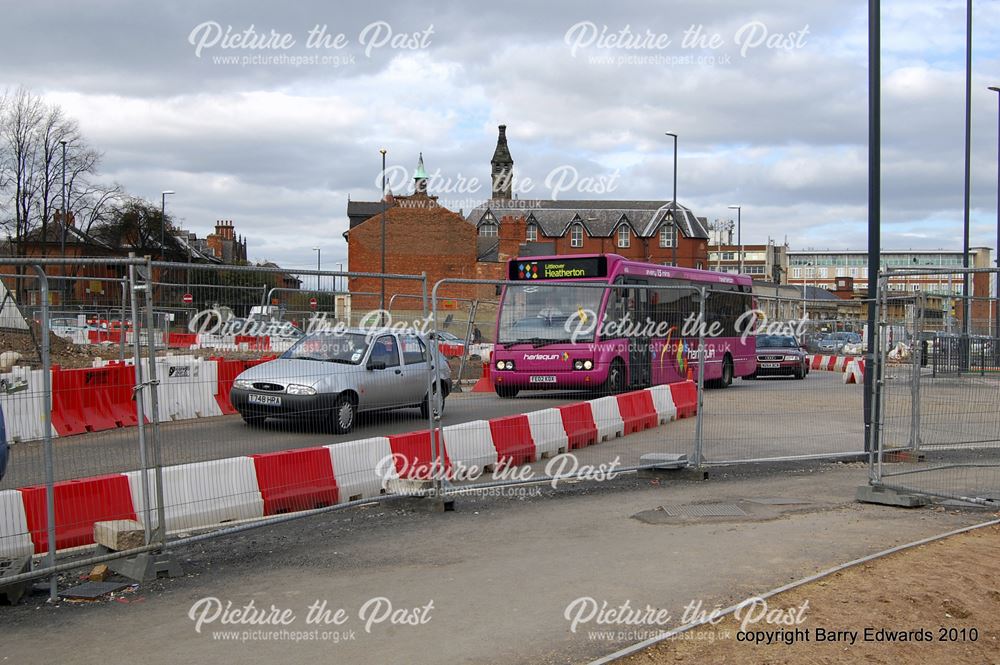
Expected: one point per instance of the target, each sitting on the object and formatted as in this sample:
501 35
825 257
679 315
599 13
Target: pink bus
610 340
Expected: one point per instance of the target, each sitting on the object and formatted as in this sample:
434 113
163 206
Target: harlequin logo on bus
527 270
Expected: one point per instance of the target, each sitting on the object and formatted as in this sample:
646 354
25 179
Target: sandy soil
947 593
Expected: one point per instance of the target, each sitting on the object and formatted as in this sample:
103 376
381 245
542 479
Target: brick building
423 236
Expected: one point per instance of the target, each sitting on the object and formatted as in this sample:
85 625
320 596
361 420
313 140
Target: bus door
639 352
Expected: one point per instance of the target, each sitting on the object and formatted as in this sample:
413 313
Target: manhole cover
91 590
706 510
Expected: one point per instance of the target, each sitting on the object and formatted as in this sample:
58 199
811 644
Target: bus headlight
505 364
583 364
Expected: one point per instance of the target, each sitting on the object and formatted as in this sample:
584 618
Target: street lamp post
673 208
319 253
340 268
381 302
739 232
996 296
163 220
65 221
966 286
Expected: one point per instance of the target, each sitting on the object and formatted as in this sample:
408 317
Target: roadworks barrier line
214 493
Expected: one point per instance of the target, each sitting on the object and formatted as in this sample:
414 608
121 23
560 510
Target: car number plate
542 379
770 365
269 400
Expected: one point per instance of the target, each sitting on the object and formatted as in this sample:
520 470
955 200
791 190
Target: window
666 236
699 266
576 235
754 270
384 350
488 230
531 234
729 256
624 237
797 273
414 351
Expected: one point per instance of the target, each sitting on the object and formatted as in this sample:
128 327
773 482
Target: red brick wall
432 240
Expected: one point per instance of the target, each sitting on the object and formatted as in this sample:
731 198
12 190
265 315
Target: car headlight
792 358
296 389
243 384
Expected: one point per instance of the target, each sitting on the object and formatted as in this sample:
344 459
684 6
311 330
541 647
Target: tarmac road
115 451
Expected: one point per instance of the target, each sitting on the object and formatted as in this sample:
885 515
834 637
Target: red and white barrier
363 467
15 540
855 372
207 494
201 494
830 363
470 444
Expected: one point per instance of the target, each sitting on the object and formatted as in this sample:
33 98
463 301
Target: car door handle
399 371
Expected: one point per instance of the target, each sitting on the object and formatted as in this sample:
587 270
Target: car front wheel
343 414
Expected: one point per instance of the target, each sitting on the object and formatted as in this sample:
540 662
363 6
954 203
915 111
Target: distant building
768 263
422 236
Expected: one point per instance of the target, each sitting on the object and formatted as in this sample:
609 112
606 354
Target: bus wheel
615 383
506 392
727 373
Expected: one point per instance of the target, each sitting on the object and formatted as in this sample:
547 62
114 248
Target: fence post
465 350
698 432
154 416
916 358
434 395
50 490
140 388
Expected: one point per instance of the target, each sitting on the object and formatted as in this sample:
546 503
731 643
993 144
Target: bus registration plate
542 379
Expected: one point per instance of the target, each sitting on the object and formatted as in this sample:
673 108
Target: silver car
330 377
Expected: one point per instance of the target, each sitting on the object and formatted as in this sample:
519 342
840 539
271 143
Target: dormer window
624 237
667 236
488 230
531 233
576 235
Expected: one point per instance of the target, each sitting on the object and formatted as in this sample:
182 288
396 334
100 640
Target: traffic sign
313 302
188 298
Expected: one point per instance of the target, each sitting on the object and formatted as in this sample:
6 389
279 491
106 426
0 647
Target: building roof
599 217
884 251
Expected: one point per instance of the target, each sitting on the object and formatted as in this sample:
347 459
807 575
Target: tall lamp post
673 208
996 296
739 232
163 220
381 302
65 221
319 253
966 286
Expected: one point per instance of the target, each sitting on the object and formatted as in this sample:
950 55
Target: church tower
420 178
502 167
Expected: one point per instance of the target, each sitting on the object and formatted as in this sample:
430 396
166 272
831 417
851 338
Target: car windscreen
348 348
776 342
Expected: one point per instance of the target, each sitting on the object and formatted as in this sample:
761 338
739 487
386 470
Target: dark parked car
780 355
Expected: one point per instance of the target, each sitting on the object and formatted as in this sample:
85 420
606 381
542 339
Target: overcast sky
275 133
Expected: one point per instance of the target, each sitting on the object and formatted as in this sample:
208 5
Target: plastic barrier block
226 373
254 343
184 340
472 445
362 468
15 539
24 410
547 432
607 418
685 396
815 362
637 411
201 494
578 423
414 455
293 480
663 402
513 441
78 504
